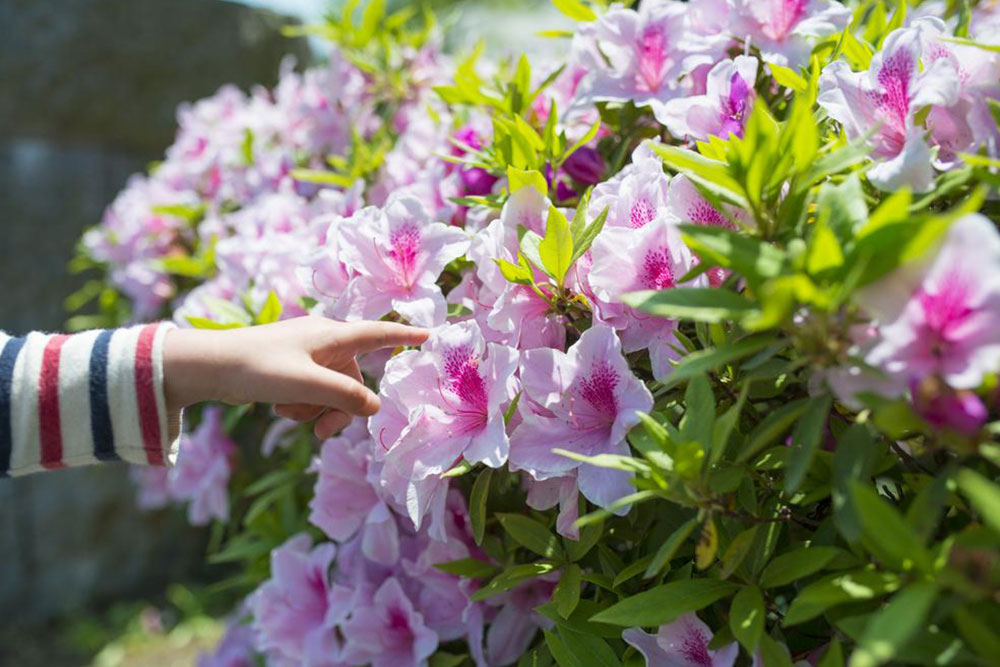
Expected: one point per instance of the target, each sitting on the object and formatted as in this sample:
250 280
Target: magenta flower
941 317
388 631
517 622
683 643
548 493
451 395
722 110
152 486
293 612
945 408
637 56
585 401
201 474
397 254
784 30
235 649
625 260
885 100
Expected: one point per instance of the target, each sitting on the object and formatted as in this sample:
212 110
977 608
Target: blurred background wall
88 90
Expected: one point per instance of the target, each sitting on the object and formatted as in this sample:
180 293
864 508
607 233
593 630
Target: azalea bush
714 299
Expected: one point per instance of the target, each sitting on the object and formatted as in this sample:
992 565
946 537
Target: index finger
364 337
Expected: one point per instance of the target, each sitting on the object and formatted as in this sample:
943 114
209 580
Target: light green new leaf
520 178
575 10
701 304
556 249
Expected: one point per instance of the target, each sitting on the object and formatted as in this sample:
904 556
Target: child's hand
305 366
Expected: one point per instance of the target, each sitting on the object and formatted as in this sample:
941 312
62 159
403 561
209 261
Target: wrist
194 367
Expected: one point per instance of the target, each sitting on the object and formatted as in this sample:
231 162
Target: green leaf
442 659
514 273
824 251
883 526
567 592
737 551
893 626
978 634
833 656
839 589
773 653
205 323
746 617
752 258
700 169
582 141
788 78
708 360
983 495
531 535
854 459
589 536
806 438
271 310
575 10
771 428
583 240
556 249
520 178
511 577
477 504
699 419
702 304
665 603
797 564
470 568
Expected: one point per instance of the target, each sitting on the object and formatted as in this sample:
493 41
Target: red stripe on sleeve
145 393
49 421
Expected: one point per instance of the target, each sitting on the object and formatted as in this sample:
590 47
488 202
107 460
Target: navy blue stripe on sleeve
100 414
8 358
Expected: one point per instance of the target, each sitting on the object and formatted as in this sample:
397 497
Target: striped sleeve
74 400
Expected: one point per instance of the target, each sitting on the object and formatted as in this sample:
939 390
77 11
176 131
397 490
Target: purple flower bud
476 181
585 166
946 408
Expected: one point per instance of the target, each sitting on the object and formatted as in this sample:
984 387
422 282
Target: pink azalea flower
967 124
235 649
152 486
885 99
683 643
784 30
722 110
636 56
634 196
201 474
687 205
941 317
450 395
516 624
585 401
345 500
294 612
626 260
388 631
397 254
562 491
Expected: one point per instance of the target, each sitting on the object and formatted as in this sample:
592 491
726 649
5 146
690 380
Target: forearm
75 400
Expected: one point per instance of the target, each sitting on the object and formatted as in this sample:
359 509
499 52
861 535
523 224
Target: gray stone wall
88 90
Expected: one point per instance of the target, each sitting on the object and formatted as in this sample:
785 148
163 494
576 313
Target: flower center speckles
657 271
787 14
652 49
695 648
704 214
404 243
461 366
641 213
599 389
894 78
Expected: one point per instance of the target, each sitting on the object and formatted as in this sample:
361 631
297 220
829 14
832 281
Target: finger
331 423
364 337
299 412
324 387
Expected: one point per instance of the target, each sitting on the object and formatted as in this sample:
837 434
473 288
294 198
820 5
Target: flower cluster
693 285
